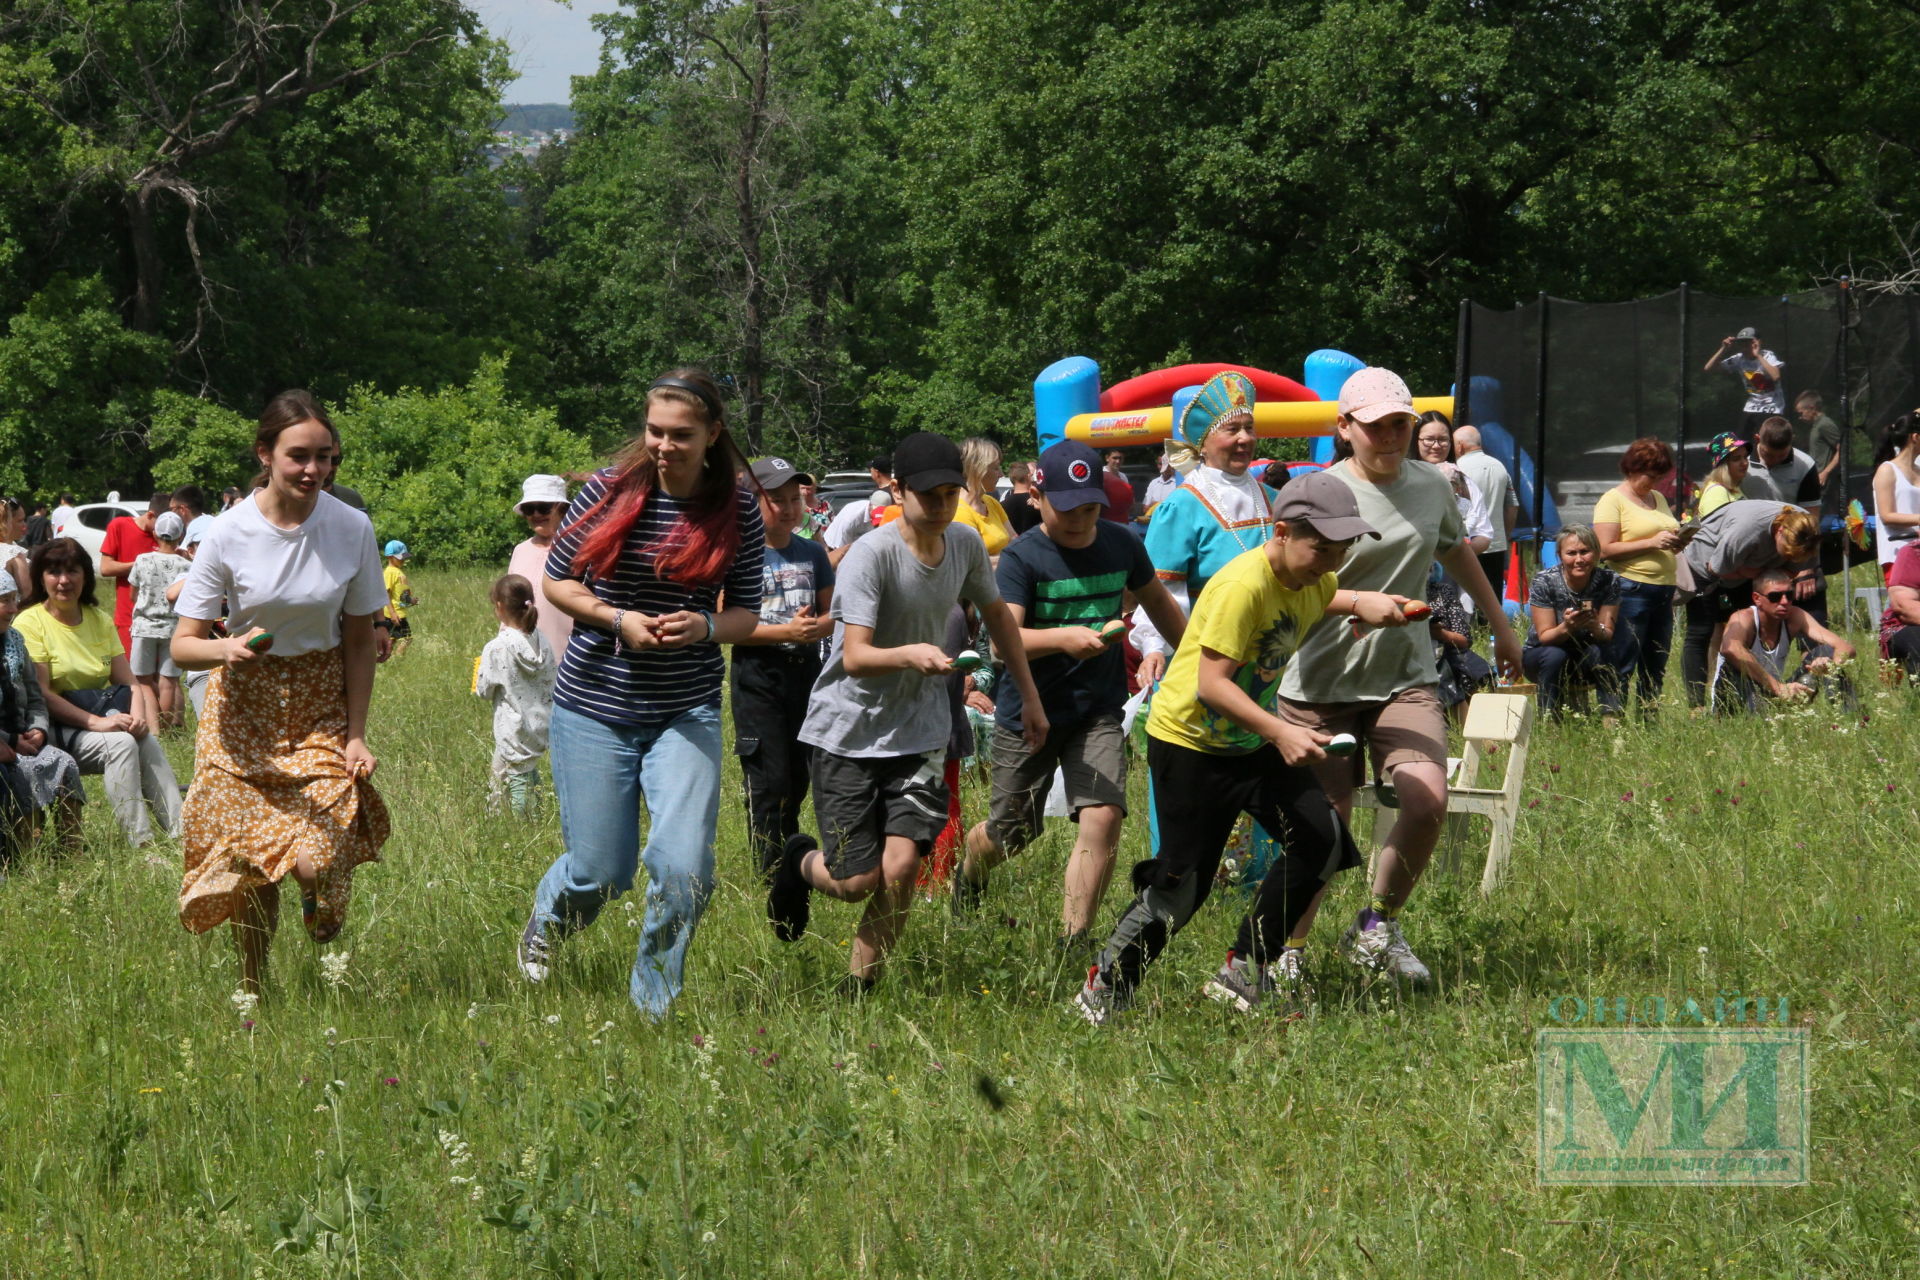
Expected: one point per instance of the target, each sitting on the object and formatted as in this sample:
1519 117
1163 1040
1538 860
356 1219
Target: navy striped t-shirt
653 686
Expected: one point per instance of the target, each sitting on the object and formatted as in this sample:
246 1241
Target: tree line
870 217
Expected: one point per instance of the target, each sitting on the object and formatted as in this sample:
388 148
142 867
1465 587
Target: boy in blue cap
1064 582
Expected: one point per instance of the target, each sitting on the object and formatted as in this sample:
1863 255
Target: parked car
89 524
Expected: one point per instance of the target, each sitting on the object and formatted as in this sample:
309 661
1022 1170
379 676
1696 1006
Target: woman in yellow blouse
1640 539
979 509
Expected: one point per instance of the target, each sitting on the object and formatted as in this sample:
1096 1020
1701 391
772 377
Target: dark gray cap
1325 502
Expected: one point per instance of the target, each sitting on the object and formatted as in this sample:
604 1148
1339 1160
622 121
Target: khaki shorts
1409 727
1092 755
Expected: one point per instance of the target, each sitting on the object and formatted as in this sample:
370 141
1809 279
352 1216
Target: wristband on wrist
619 641
708 616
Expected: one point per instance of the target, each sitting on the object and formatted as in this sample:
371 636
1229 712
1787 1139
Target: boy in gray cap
1217 748
156 678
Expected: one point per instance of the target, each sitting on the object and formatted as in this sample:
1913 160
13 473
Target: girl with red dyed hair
650 545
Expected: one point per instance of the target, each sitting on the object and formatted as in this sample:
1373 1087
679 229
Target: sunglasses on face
541 508
1774 596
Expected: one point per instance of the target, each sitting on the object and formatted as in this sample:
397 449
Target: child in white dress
516 673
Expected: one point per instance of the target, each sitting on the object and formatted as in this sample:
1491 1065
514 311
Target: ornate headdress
1223 396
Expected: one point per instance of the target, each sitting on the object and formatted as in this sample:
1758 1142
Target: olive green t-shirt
1417 520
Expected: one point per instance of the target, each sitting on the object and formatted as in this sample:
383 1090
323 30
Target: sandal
310 916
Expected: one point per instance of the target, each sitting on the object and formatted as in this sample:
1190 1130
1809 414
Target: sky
551 43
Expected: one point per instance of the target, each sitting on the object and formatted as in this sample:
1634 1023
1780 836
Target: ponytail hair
513 595
702 542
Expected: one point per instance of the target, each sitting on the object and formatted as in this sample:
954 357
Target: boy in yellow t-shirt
1216 749
400 597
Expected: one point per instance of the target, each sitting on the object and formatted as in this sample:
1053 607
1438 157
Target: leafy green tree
441 470
726 203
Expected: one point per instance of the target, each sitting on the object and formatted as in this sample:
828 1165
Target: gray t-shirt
1417 519
1496 486
883 585
1738 536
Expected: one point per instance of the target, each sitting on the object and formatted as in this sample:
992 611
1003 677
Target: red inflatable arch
1151 390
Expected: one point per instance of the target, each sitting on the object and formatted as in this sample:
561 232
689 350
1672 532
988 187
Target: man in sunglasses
543 505
1753 651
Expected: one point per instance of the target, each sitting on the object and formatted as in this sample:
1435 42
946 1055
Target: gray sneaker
1099 1000
1382 948
1240 983
536 951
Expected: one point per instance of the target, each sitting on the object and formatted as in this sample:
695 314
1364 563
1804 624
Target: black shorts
861 801
401 629
1198 796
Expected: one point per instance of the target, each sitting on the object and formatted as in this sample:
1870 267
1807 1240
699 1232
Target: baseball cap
1372 393
542 488
771 473
1724 446
1747 334
1325 502
1069 474
168 528
926 461
396 548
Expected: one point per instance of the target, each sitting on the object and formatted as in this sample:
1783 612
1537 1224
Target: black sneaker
853 988
536 951
790 897
966 894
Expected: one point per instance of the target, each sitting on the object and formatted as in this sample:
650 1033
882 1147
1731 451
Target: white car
88 527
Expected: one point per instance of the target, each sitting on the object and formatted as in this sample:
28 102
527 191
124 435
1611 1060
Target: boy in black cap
1064 582
1217 749
773 669
879 717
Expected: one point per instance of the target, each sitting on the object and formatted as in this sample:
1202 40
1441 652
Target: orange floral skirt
270 782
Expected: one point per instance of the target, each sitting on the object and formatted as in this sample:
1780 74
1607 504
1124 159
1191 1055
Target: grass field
415 1110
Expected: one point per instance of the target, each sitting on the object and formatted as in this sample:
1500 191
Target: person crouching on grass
1062 583
1217 749
880 714
1754 648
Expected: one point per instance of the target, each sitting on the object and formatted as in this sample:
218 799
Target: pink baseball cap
1371 394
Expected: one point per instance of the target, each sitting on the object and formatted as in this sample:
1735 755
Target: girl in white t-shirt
281 779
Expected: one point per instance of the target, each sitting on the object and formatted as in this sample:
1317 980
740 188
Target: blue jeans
1643 637
601 775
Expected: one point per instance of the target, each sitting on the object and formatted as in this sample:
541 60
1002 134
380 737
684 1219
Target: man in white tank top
1753 651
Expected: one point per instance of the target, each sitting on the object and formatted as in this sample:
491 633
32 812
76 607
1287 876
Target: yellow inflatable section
1271 418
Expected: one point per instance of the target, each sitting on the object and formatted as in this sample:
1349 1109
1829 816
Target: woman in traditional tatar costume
1216 513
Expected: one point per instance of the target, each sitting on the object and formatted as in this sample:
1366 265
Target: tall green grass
423 1113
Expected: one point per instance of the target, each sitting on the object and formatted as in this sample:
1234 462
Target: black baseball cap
926 461
1069 475
883 464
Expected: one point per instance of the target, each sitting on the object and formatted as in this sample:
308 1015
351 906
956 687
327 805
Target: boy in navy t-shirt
1064 582
774 668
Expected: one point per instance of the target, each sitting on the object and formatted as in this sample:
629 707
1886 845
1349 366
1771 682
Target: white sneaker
535 954
1382 948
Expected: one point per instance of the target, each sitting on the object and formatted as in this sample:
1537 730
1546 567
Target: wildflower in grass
390 1081
552 1019
473 1011
244 1003
333 968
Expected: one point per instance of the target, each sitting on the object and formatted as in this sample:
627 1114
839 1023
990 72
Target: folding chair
1494 721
